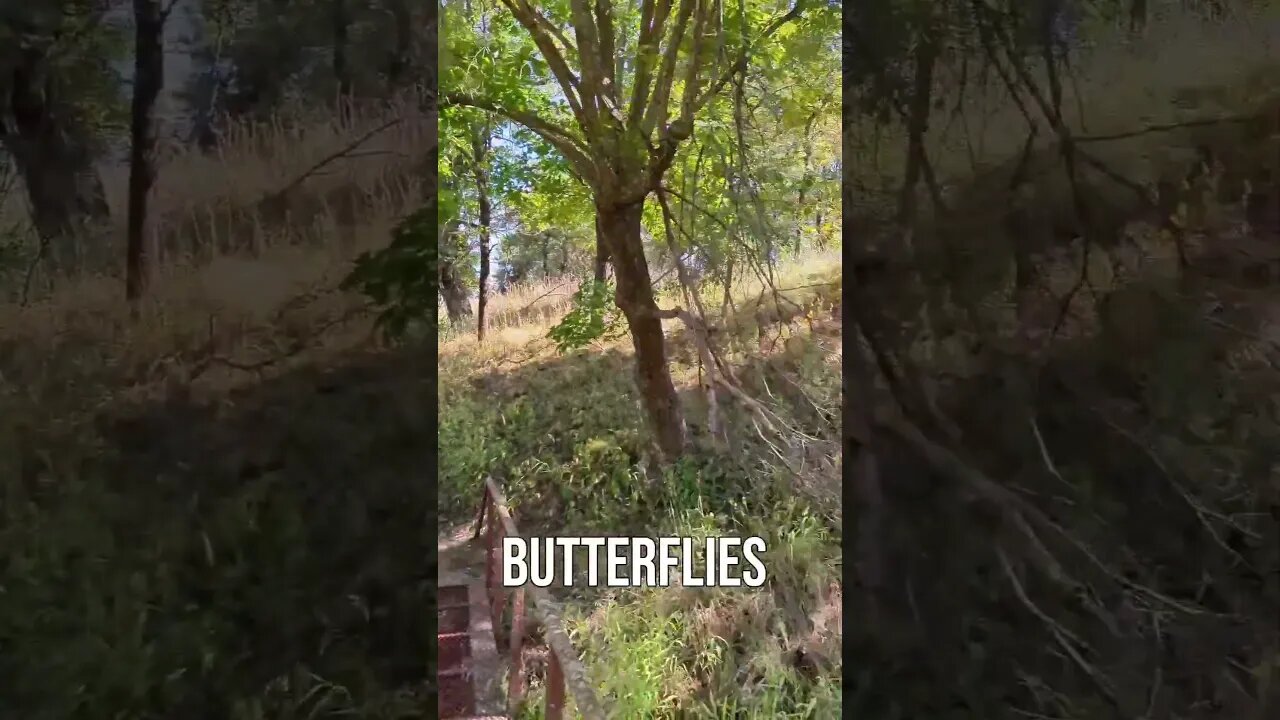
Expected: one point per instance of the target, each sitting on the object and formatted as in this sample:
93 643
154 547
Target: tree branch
653 21
589 58
741 62
656 111
542 31
574 150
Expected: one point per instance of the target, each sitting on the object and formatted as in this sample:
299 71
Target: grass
564 436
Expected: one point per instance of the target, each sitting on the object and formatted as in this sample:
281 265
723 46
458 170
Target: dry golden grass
375 152
1114 85
518 320
224 316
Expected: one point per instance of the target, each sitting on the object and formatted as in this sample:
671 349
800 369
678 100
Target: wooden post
495 587
484 503
490 555
555 687
516 684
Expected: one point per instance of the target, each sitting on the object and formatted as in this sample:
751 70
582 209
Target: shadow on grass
266 555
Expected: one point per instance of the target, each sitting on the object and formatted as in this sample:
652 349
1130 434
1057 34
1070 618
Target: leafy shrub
401 278
594 317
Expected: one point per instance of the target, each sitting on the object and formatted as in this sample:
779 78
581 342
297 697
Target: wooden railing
564 668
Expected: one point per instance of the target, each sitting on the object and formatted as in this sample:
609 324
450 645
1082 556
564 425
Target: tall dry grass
222 316
1114 84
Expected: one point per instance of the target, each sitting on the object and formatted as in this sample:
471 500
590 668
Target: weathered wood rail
565 671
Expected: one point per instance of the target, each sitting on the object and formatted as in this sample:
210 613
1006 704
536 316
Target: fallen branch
344 152
296 348
1170 127
1070 644
1018 510
535 300
1202 513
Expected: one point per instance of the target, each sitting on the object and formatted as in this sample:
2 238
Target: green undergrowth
564 436
260 556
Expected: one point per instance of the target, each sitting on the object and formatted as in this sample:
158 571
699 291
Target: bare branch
339 154
1070 644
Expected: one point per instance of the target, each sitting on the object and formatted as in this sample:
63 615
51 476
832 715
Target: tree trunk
859 415
453 292
728 287
341 26
449 276
1137 16
54 160
480 156
399 62
148 79
795 251
805 181
917 127
619 226
602 253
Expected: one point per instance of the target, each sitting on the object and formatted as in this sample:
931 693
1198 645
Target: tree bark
54 159
602 254
148 80
619 226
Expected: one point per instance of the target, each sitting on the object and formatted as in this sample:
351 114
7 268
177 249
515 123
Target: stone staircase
469 668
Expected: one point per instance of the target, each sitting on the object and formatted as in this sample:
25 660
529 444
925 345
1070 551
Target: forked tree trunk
619 227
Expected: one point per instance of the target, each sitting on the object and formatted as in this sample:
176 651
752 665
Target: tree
620 122
51 102
148 79
481 144
341 33
453 287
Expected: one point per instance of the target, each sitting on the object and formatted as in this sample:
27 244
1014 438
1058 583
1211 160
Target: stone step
457 697
468 666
